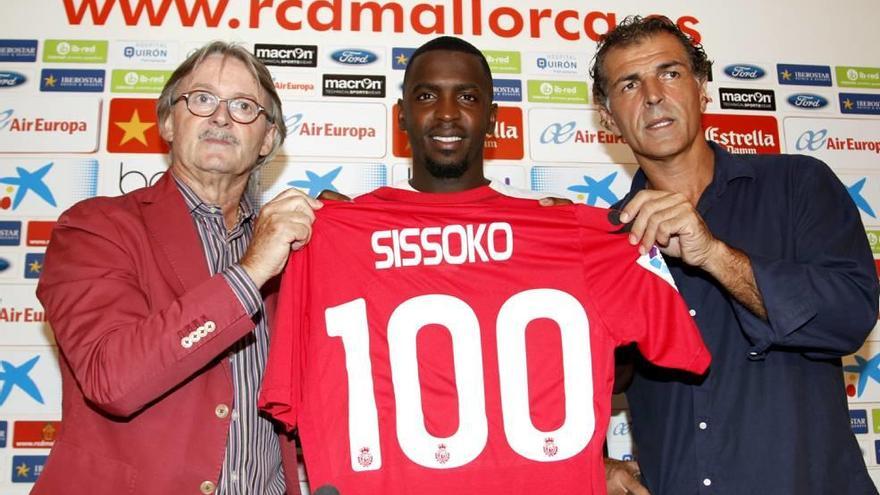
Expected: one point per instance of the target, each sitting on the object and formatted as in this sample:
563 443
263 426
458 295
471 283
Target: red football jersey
464 343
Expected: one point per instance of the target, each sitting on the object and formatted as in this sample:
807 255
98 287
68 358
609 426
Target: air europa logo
298 126
563 132
816 140
744 71
13 124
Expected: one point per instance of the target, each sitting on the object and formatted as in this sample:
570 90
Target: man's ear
704 94
268 140
493 118
607 120
166 127
401 120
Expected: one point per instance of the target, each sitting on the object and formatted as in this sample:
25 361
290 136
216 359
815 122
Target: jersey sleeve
281 389
635 297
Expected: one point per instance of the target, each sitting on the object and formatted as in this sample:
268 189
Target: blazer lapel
175 238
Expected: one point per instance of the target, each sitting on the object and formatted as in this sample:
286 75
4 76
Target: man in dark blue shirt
771 256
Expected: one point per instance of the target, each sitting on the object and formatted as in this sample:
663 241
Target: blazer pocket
77 471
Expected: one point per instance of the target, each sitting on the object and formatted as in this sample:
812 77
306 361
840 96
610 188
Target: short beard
449 171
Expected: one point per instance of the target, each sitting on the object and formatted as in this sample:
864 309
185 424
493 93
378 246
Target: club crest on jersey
653 262
365 458
442 455
550 448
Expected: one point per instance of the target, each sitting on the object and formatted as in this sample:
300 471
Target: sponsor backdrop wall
79 78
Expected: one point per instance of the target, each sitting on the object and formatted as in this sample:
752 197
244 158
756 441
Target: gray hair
256 68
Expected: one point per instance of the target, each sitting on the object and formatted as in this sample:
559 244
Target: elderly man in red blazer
159 301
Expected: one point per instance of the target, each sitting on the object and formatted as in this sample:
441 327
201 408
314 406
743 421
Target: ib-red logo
743 134
506 142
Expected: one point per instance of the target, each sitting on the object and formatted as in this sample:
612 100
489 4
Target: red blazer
125 280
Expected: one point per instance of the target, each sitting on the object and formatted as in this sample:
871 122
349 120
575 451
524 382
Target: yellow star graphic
785 74
22 470
134 129
50 81
848 104
401 59
35 266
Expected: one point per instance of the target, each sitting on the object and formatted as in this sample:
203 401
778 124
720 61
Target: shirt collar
728 168
198 207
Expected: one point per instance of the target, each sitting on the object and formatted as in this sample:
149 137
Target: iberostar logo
865 370
14 376
134 127
315 183
26 181
593 190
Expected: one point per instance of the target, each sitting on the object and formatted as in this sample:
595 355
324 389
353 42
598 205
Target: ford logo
806 100
9 79
354 57
744 71
4 264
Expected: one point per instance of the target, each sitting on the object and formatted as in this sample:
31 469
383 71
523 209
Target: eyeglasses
204 104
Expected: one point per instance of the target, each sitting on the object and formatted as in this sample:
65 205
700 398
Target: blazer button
222 410
207 487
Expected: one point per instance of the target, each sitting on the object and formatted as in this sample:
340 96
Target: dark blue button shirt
771 414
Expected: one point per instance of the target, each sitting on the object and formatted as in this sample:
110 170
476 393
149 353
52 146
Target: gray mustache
219 135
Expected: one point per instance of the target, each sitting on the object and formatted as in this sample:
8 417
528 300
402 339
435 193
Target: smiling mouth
447 139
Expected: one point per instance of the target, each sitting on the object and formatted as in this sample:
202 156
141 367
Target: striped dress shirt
252 464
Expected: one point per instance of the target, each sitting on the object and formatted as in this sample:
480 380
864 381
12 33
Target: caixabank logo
593 185
862 374
312 178
742 134
37 125
44 188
